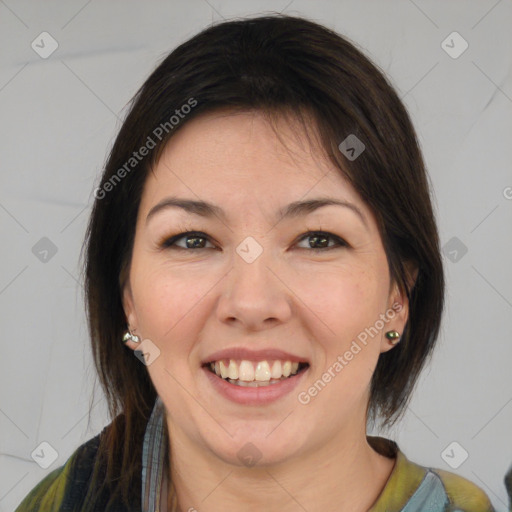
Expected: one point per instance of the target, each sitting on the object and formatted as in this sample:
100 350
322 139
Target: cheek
165 299
345 303
346 299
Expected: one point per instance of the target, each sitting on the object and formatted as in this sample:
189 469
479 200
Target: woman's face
257 289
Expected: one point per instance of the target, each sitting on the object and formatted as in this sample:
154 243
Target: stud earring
393 337
129 336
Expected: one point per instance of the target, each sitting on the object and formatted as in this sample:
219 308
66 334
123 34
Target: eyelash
169 242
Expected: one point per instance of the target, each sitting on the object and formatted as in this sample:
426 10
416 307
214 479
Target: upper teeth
253 370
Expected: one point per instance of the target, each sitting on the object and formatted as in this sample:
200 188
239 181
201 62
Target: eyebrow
295 209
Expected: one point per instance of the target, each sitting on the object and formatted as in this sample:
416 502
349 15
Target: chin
256 449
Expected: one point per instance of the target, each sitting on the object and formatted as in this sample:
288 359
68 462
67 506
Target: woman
263 241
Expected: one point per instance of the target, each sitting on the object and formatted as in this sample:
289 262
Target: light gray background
59 117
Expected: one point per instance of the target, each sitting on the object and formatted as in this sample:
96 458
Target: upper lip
243 353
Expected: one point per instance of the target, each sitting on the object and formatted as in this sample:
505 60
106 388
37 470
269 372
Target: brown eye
193 240
320 241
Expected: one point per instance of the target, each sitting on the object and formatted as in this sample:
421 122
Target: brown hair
274 64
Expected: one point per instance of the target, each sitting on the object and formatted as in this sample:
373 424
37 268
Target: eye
193 240
321 240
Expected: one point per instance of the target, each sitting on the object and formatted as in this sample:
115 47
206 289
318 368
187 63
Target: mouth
255 374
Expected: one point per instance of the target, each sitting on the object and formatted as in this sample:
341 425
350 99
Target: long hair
279 65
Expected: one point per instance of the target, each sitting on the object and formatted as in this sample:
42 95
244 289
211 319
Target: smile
253 377
255 373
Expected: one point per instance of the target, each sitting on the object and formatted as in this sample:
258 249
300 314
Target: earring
393 337
129 336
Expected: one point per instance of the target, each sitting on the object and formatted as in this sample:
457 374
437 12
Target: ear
129 311
398 307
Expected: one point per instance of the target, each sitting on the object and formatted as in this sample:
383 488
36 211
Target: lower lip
254 396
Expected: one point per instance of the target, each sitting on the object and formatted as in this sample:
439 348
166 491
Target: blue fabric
430 495
153 460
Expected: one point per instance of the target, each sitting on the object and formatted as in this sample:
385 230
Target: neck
347 472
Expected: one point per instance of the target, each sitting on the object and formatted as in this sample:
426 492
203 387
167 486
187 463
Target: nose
254 295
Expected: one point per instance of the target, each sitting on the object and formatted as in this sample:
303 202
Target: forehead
240 159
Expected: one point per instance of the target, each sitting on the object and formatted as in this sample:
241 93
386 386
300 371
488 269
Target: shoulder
446 490
462 493
414 487
65 485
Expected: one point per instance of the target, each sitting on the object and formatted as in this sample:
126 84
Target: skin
193 302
